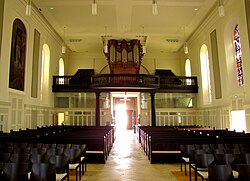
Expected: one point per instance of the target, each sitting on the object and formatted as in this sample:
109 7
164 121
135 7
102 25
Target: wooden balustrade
139 82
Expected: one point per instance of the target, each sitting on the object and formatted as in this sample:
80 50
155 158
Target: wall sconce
94 8
28 8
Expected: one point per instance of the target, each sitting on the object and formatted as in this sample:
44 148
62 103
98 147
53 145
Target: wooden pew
99 140
162 144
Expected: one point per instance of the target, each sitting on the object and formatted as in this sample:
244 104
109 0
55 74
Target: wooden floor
127 162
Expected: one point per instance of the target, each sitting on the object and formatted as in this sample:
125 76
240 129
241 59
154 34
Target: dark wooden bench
99 140
163 144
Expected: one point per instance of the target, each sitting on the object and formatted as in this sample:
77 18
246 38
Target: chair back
19 158
49 145
63 146
73 154
15 171
246 157
23 150
38 150
39 158
244 172
220 172
43 172
55 151
60 162
35 145
222 159
204 160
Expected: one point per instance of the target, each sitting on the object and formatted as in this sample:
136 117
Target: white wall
98 62
17 114
31 108
233 96
234 12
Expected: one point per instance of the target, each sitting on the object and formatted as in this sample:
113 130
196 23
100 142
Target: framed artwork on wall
18 56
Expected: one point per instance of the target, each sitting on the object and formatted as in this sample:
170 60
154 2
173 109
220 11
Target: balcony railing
70 84
179 84
125 81
141 81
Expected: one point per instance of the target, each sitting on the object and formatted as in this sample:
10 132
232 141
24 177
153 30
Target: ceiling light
63 49
105 42
221 8
185 48
64 46
144 50
28 8
105 47
185 43
94 8
196 9
154 7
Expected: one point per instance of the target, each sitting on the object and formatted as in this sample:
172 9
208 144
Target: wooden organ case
124 57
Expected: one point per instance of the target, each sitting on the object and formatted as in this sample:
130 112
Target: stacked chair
41 162
217 162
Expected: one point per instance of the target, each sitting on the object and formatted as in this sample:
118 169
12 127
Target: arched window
205 74
238 55
188 81
61 70
188 70
45 72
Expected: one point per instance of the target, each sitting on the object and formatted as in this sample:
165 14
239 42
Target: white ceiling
125 19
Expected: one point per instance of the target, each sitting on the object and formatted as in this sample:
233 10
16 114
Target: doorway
125 110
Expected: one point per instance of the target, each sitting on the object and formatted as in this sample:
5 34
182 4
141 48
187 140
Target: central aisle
127 162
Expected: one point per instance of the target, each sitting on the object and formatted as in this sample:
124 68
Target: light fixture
221 8
144 50
28 8
185 48
143 41
63 49
105 46
94 8
64 46
105 41
154 7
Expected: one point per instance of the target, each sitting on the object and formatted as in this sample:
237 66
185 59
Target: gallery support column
153 116
97 109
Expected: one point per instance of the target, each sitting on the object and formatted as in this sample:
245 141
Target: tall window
61 71
205 74
45 72
188 81
238 55
188 70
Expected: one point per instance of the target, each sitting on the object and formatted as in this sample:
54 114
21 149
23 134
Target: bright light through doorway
121 117
60 118
238 120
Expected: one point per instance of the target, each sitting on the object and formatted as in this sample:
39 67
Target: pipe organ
124 56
